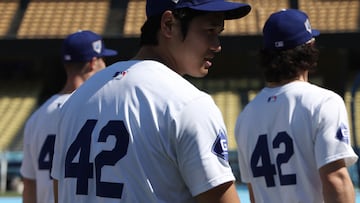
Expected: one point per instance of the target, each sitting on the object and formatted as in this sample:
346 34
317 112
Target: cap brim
315 33
232 10
109 52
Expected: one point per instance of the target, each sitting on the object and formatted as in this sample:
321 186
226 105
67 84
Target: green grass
10 194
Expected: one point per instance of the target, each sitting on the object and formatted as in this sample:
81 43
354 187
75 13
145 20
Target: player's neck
147 52
159 54
71 85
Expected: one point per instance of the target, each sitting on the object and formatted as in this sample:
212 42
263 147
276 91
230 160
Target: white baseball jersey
285 134
138 132
39 140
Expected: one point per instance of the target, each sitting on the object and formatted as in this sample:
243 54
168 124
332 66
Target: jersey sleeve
332 141
27 169
202 146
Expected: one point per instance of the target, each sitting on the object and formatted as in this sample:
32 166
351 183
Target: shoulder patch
220 146
342 134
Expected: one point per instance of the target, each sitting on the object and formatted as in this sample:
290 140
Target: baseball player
83 54
138 131
293 137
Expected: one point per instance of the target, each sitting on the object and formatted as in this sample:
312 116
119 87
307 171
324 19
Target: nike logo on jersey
342 134
220 146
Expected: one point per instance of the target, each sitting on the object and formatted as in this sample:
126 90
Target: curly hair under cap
285 65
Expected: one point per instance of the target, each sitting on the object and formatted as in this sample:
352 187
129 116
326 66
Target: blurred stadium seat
135 17
56 19
332 15
252 24
17 101
8 9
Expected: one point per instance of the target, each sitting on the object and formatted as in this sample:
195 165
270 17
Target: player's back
123 121
280 136
39 139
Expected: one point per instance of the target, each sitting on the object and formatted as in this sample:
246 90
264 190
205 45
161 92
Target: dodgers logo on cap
82 46
97 46
308 26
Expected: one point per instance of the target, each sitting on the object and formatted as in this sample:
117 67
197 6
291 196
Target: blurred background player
293 137
154 136
83 54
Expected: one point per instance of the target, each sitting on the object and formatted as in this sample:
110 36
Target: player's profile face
196 51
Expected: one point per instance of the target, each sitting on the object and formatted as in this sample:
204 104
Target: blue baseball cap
287 29
82 46
232 10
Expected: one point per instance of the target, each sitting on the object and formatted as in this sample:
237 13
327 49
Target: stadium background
31 33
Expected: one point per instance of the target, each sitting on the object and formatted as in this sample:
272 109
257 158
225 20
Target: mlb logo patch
119 74
272 99
220 146
343 134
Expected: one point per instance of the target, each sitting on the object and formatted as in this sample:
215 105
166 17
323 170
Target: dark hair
152 25
287 64
149 31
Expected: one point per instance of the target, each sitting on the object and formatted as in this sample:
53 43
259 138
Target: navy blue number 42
268 169
46 154
83 169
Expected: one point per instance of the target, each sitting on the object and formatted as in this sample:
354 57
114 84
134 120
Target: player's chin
205 68
202 72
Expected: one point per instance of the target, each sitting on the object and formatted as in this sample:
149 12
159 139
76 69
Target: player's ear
91 64
167 23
